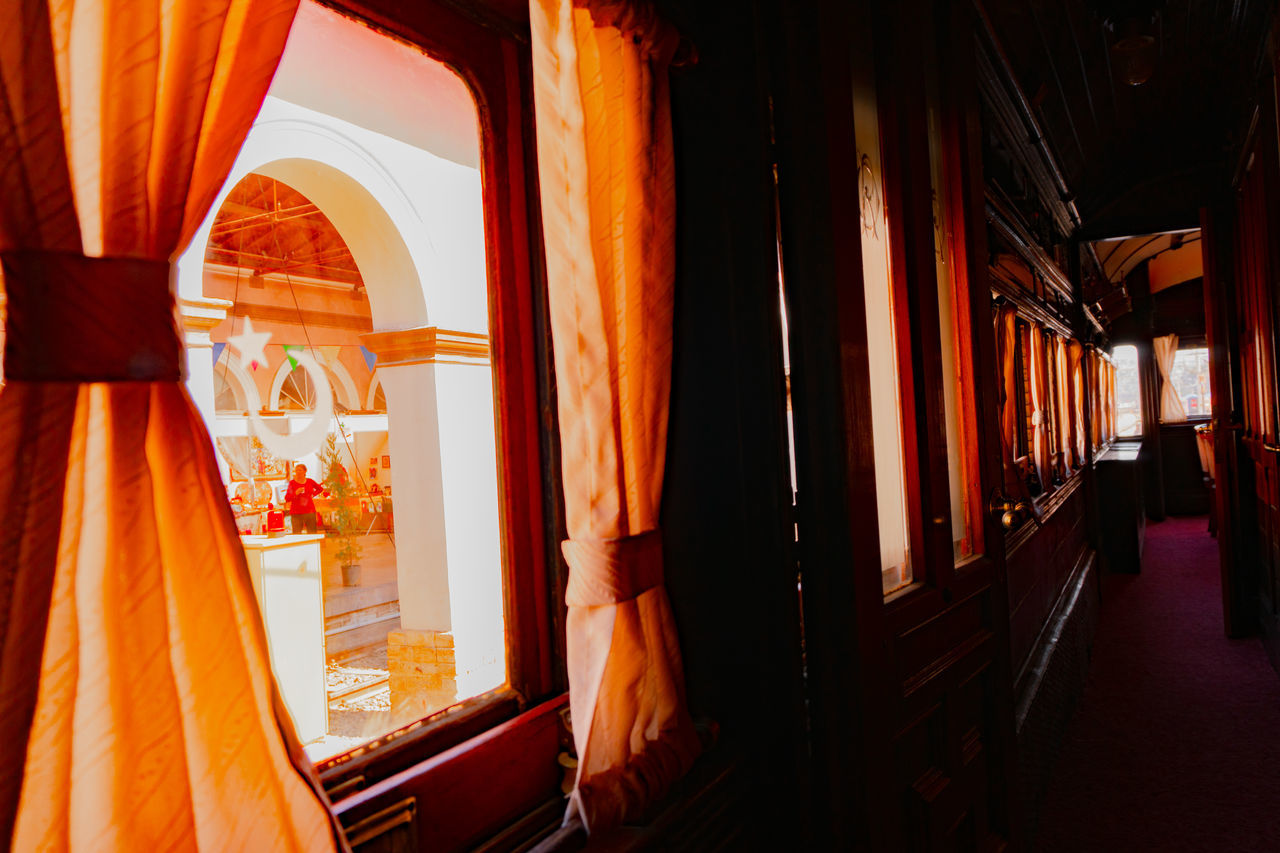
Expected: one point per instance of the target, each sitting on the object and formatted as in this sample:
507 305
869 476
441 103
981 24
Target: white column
464 397
417 493
199 317
444 479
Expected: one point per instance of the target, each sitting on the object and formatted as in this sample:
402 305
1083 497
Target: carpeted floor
1176 745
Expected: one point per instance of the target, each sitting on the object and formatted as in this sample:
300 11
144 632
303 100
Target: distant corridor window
1190 377
1128 392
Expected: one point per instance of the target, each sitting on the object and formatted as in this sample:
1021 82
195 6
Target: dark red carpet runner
1176 745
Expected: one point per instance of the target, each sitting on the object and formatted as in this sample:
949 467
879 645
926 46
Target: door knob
1010 513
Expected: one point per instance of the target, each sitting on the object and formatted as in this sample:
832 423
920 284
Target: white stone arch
344 389
366 205
237 378
345 386
375 382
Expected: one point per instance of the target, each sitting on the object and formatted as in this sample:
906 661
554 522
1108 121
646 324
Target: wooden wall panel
1256 255
1039 566
1184 490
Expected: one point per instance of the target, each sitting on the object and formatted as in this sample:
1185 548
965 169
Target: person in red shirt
298 500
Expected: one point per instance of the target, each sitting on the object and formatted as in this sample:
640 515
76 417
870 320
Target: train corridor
1176 743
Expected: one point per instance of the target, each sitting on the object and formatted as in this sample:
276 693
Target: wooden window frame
514 732
902 100
1196 343
1115 393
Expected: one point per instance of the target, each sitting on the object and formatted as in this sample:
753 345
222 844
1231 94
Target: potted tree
345 520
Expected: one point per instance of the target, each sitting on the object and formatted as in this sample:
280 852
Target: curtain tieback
78 319
610 571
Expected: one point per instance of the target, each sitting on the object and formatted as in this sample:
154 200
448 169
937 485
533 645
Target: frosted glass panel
882 355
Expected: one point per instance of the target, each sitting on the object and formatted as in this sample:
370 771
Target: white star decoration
250 345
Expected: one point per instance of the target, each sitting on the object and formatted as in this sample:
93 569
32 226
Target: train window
1128 395
882 355
966 520
346 374
1190 379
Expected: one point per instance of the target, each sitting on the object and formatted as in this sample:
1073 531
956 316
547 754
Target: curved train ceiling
1141 158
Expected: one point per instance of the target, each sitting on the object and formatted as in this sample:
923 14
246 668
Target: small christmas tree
345 521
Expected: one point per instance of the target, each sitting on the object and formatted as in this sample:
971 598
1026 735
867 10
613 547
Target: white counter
286 578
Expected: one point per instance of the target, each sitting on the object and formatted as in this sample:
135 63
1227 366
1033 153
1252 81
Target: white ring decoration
298 444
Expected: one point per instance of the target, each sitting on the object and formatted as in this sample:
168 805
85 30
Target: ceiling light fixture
1133 45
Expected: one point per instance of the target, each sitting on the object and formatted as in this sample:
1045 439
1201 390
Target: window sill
471 791
348 773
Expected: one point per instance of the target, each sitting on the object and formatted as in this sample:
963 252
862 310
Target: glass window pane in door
882 353
1128 392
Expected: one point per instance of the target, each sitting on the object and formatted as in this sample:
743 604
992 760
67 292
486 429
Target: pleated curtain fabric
1075 358
1061 385
1095 397
137 706
606 171
1104 385
1006 351
1040 407
1111 400
1171 408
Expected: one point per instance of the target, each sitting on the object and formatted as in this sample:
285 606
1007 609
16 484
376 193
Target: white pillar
199 317
464 396
417 493
444 480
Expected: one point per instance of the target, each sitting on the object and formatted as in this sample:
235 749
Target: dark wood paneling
1185 492
1039 567
727 522
818 184
1053 682
1235 517
1179 310
1120 504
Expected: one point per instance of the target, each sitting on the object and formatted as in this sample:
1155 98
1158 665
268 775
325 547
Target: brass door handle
1009 512
1271 448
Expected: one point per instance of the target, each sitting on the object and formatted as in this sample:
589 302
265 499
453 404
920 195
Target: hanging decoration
251 346
329 355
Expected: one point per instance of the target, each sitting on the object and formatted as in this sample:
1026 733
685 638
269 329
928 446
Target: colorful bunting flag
329 354
289 350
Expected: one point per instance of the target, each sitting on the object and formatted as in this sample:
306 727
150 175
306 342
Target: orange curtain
1075 356
1111 400
1040 450
1095 398
606 168
137 706
1102 400
1061 383
1006 350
